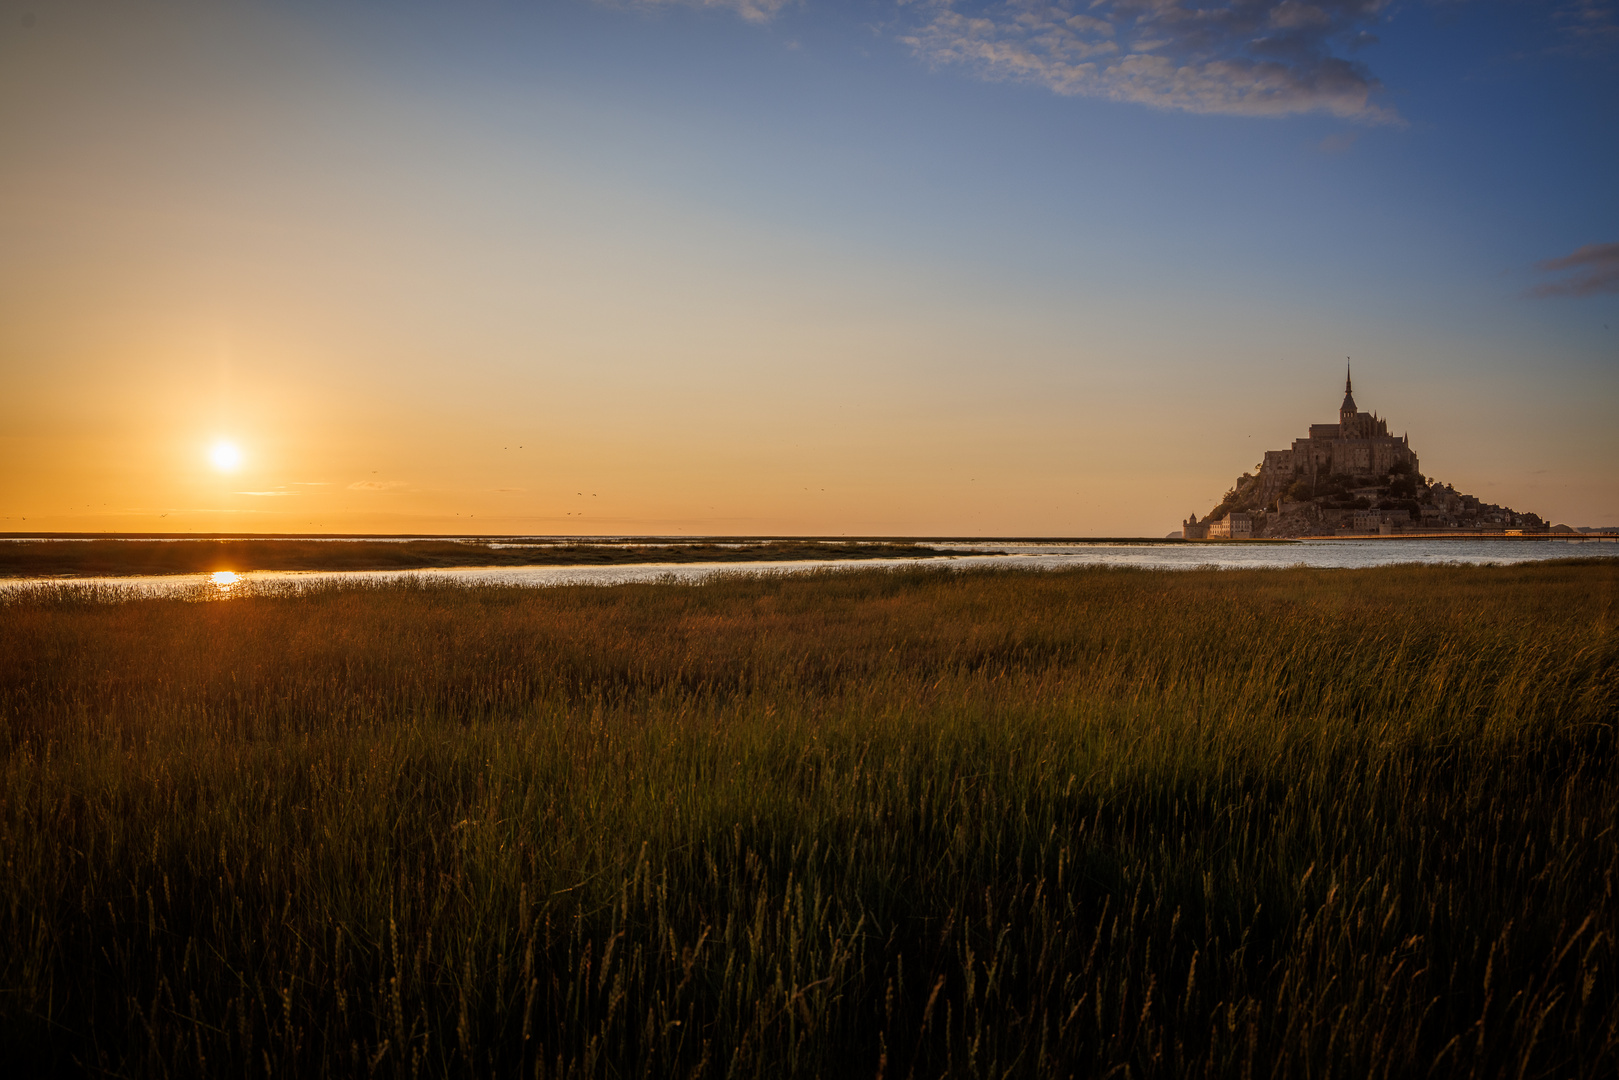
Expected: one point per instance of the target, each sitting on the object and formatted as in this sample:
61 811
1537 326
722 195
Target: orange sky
442 306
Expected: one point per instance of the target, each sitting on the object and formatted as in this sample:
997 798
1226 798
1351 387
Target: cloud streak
1592 25
752 10
1240 57
1595 270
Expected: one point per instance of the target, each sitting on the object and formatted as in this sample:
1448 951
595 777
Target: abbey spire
1347 411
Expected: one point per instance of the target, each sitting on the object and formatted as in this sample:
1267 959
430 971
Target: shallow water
1326 554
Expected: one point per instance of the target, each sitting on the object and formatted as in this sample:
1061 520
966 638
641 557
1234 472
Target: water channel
1325 554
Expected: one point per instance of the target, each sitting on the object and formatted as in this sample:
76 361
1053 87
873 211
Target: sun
225 456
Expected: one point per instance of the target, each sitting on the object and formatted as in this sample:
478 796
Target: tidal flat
38 557
913 823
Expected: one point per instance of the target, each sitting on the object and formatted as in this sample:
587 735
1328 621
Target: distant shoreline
71 556
602 538
653 540
146 555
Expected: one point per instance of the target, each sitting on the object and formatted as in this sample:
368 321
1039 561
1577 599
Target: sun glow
225 456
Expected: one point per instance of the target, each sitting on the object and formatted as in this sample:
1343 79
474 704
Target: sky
809 267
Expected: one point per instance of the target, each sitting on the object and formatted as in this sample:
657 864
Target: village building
1234 526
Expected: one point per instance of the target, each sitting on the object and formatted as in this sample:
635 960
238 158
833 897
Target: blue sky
867 267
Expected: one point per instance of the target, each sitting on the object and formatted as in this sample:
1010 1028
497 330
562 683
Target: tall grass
881 824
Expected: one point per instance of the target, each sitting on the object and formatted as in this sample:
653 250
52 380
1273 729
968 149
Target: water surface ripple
1324 554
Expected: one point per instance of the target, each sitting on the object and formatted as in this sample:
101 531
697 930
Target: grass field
1284 823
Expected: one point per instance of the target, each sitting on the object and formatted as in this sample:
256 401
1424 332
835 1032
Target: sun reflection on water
224 579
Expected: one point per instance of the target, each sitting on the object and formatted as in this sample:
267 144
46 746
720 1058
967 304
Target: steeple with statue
1347 411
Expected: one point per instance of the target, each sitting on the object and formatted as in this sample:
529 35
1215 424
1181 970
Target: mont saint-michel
1351 477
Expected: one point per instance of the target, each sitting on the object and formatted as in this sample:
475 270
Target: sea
1326 554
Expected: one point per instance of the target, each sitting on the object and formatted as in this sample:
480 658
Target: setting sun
225 456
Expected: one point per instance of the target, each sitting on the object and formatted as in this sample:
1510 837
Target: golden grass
1097 822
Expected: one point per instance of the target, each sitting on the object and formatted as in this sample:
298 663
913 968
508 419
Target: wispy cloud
376 485
1592 25
1338 143
751 10
269 493
1239 57
1595 270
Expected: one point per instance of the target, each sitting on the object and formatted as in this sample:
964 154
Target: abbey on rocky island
1346 478
1358 445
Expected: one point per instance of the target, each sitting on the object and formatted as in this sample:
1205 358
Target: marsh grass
40 558
1285 823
